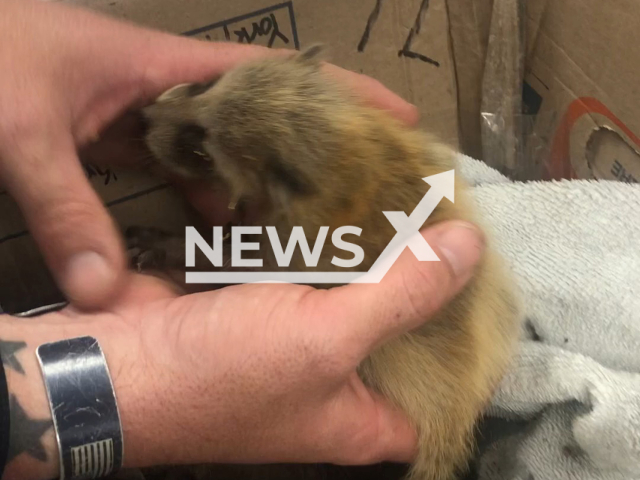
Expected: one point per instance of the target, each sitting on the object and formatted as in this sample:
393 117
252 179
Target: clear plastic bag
502 120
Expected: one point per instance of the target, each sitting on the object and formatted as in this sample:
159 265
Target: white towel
570 406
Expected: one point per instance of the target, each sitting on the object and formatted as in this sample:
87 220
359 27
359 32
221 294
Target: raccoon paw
146 248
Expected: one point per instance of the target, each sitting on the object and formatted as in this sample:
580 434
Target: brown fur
282 134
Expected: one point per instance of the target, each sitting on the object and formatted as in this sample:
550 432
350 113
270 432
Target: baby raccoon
279 134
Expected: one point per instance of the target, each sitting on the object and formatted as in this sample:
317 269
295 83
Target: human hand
59 90
246 374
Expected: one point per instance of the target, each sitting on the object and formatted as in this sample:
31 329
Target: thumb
76 235
411 292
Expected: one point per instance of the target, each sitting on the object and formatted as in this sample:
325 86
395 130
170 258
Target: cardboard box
405 44
581 89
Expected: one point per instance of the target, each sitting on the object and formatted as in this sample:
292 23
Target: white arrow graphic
408 228
407 235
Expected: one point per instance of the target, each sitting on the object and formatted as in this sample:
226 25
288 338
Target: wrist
33 451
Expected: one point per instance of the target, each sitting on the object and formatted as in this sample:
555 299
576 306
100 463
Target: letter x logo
408 227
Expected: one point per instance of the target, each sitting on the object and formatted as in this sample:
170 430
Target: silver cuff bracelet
84 408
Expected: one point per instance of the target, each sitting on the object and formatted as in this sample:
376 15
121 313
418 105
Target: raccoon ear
186 90
174 92
313 54
195 89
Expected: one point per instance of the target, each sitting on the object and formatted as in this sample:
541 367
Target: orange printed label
559 164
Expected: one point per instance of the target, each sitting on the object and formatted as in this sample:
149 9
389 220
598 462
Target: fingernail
88 275
462 245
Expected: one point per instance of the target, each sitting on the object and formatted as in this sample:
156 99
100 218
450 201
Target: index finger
184 60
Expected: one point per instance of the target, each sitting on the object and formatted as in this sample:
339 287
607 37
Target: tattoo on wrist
8 352
25 433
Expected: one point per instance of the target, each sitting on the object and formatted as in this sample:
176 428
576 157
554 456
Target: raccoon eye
189 141
195 89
